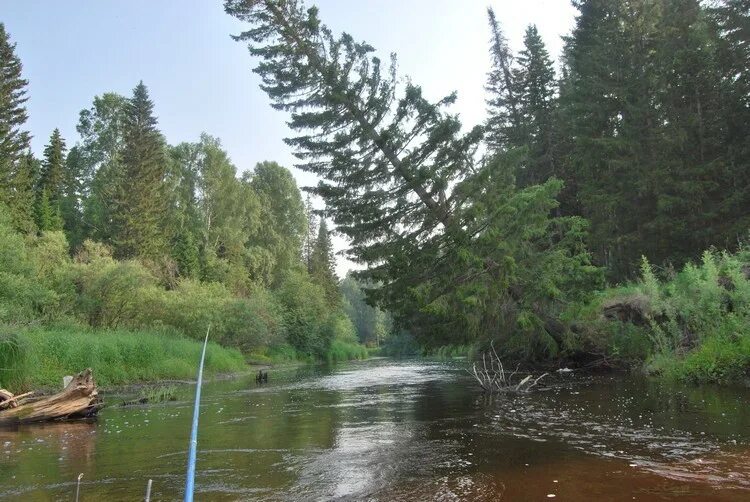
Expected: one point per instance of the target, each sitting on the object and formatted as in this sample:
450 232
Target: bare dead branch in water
494 379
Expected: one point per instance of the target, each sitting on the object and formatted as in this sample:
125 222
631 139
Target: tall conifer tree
504 116
14 141
140 202
534 78
323 263
51 186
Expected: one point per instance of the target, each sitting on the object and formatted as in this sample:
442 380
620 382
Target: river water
399 430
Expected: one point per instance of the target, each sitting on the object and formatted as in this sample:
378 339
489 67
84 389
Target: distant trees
372 324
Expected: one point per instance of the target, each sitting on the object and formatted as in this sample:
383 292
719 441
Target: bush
692 325
244 323
24 295
306 314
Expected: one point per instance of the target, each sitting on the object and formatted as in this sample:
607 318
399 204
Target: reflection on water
389 430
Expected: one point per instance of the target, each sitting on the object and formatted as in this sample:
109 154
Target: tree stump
78 400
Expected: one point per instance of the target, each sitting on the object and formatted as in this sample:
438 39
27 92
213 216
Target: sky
201 80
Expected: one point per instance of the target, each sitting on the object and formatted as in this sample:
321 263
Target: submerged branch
494 379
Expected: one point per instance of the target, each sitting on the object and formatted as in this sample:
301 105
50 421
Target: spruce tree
22 202
140 203
72 197
51 186
323 264
458 253
504 123
14 141
534 77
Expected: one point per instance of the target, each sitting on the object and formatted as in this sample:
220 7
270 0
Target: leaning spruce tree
459 253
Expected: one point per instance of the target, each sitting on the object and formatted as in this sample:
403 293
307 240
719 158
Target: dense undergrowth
692 325
122 318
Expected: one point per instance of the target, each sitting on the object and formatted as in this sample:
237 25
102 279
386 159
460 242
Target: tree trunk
78 400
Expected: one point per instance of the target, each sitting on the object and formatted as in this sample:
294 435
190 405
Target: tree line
637 145
143 233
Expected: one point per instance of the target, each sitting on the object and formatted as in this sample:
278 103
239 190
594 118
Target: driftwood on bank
495 379
79 399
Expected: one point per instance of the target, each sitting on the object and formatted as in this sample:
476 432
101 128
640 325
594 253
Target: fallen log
79 399
8 400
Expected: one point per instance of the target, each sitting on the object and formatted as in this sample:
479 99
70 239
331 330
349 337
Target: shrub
24 297
305 313
692 325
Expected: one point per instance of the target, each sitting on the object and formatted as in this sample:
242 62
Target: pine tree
13 140
50 189
323 264
140 203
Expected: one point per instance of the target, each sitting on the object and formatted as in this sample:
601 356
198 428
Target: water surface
399 430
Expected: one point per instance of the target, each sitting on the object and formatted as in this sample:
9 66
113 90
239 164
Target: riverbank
38 357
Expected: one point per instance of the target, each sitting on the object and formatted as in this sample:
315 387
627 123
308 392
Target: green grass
40 357
344 351
278 354
451 351
158 394
720 360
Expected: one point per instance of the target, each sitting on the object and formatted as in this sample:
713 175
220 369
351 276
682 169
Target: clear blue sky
201 80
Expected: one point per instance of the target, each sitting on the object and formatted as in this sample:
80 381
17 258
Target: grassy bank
692 325
39 357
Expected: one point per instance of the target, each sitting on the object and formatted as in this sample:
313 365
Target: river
399 430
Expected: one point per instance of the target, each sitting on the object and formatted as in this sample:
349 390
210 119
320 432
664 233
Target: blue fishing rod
190 479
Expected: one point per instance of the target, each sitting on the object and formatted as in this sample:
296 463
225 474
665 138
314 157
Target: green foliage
401 343
345 351
693 325
13 140
139 196
305 313
372 325
281 204
323 264
457 252
158 394
26 288
117 357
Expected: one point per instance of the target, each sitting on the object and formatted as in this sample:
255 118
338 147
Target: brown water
399 430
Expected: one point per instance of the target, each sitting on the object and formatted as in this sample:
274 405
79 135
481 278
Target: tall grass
341 350
34 357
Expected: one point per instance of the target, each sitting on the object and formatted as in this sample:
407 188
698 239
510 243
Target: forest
113 250
597 218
